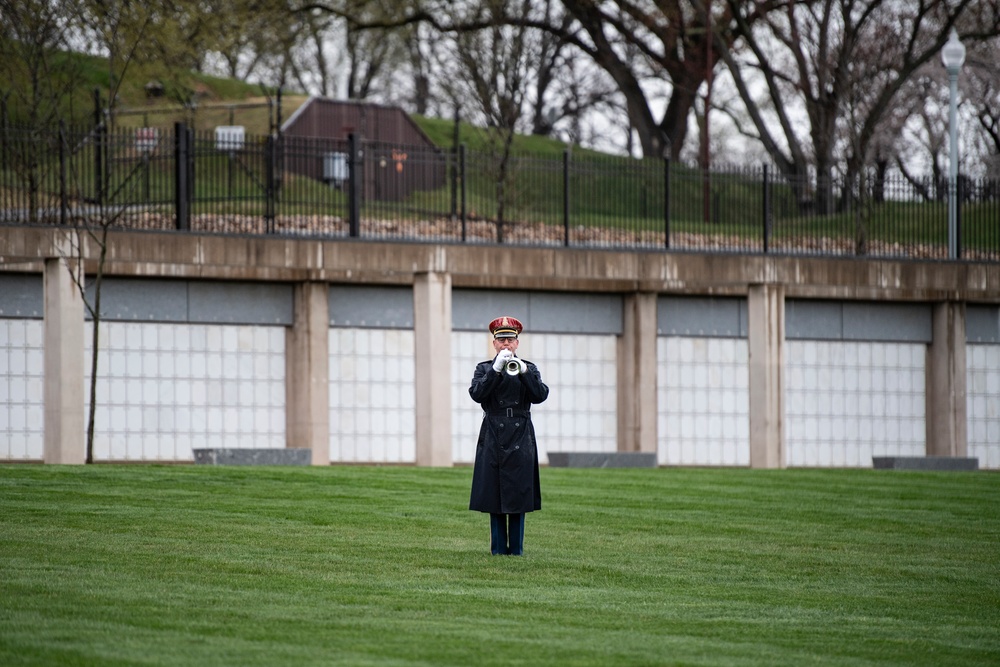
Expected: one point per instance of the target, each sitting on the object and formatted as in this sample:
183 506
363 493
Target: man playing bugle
505 478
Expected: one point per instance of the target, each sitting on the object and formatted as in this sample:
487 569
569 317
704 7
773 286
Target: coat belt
509 412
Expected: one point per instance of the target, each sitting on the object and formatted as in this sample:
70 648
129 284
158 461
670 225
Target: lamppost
953 55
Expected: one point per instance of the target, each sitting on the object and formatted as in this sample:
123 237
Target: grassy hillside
442 133
221 101
83 74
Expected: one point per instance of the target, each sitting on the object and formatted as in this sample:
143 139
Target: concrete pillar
766 332
947 429
65 427
307 373
432 342
637 407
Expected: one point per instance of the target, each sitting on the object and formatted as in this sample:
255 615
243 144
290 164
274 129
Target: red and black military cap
506 327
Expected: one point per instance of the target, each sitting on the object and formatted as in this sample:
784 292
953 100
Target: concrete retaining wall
563 293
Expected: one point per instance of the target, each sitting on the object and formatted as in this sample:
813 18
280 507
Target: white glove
501 360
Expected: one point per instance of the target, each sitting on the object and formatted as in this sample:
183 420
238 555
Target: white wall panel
846 402
166 389
983 395
468 348
580 414
372 399
703 401
22 405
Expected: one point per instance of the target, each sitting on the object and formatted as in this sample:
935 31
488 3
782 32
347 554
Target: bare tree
245 32
123 29
672 45
419 64
638 45
981 81
39 86
93 219
319 28
490 72
829 57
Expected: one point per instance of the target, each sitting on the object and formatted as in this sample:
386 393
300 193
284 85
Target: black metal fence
231 184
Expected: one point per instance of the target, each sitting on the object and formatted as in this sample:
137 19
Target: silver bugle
515 366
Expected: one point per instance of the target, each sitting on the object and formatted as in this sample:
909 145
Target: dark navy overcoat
505 477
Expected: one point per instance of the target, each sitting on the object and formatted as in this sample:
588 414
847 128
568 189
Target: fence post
98 147
269 165
4 125
277 125
279 157
181 200
62 173
666 200
189 137
958 218
455 148
462 170
354 176
145 173
566 197
767 211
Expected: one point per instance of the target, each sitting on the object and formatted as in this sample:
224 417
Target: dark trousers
507 534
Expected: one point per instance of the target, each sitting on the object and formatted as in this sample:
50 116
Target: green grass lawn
192 565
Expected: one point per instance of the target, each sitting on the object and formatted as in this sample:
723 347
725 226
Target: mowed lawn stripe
358 565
